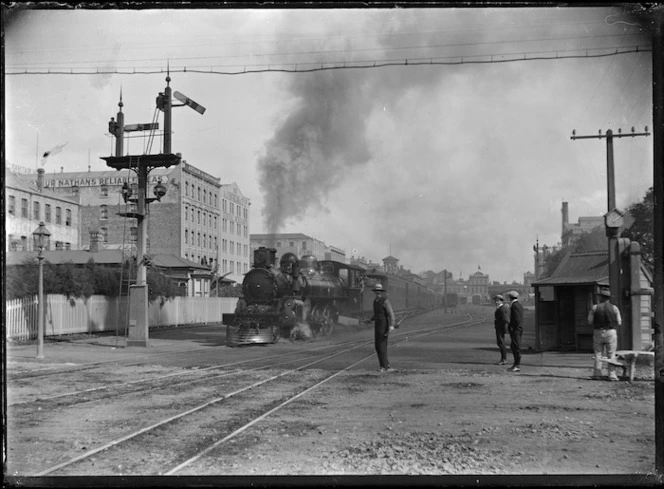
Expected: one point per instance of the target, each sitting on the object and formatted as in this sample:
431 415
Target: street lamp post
41 241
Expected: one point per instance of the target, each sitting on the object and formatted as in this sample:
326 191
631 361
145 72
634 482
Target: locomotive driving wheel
327 321
276 334
316 316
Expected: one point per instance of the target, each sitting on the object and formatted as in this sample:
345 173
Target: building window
58 215
304 245
68 217
74 189
12 205
198 239
199 194
215 222
232 208
239 229
215 201
103 235
186 189
133 233
104 190
24 208
35 211
223 205
186 236
47 212
67 246
205 196
291 244
59 245
204 218
215 243
210 242
278 244
186 213
104 212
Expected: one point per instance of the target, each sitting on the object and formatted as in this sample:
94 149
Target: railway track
217 407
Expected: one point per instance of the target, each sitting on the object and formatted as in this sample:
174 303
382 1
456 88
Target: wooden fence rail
101 313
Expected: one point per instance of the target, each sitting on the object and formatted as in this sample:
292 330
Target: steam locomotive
313 296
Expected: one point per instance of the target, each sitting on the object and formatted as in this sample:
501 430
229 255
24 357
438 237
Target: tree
642 230
595 240
22 280
160 287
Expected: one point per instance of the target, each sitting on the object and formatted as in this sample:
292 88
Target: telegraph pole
445 290
613 217
658 225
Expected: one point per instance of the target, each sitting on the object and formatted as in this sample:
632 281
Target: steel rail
423 332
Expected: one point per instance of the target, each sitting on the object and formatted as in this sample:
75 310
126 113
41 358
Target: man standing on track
501 320
515 329
383 318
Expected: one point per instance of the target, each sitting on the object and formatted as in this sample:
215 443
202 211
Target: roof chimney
565 212
40 179
94 241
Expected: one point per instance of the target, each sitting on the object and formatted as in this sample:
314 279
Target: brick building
198 219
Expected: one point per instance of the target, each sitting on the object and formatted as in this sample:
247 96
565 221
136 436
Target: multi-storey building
297 243
186 222
29 203
571 232
478 284
235 238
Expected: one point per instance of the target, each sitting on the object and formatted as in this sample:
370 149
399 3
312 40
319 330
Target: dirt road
447 410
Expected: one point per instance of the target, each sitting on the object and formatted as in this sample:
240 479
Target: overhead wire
344 65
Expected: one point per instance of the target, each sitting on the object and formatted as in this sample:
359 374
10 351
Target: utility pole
445 290
613 217
658 225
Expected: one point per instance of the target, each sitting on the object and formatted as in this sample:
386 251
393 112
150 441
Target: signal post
138 334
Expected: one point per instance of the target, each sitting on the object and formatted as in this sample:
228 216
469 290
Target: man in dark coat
515 329
501 320
383 318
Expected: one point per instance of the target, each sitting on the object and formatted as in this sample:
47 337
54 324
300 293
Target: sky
440 136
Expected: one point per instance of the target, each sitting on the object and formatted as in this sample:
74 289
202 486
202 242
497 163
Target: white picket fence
101 313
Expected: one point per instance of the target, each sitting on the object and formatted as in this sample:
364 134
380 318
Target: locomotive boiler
298 295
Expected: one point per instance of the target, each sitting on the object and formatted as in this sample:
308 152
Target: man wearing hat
515 329
383 318
604 317
501 320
